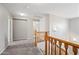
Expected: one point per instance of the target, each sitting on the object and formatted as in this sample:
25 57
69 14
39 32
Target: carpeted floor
24 47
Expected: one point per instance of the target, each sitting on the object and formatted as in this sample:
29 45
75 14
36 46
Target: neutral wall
74 29
44 23
4 16
58 26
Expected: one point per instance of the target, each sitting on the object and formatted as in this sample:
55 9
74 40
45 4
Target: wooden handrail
53 45
37 35
65 41
48 38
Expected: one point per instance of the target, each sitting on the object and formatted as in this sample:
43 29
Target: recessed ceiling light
22 14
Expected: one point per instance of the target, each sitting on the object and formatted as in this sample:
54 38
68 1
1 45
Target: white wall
4 16
74 29
58 26
44 23
74 25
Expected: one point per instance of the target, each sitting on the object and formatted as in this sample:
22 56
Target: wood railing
54 46
39 37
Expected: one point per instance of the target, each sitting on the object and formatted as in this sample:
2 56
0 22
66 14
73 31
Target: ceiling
66 10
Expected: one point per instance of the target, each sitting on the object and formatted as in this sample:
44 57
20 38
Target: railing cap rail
65 41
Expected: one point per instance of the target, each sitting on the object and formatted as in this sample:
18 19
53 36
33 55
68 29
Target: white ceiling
67 10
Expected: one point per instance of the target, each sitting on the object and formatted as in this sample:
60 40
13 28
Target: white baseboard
2 50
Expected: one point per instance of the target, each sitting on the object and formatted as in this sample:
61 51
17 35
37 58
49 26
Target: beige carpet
23 47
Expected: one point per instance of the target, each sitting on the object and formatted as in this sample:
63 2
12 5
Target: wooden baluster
59 48
66 47
35 39
46 43
55 45
45 47
51 46
75 50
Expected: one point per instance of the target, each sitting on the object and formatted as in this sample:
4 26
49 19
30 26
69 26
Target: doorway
19 29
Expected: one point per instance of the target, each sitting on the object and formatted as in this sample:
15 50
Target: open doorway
36 25
40 26
19 29
41 23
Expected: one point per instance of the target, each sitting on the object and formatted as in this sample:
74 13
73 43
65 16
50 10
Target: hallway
19 23
23 47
